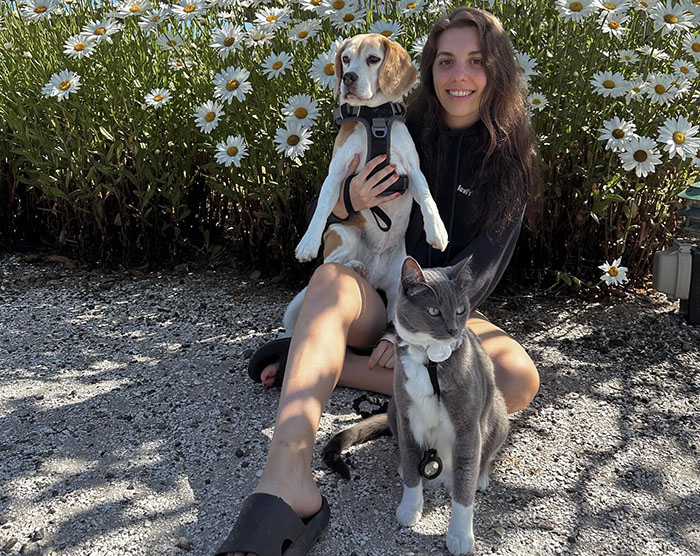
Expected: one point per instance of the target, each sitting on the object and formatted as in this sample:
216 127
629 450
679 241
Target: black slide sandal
274 350
268 526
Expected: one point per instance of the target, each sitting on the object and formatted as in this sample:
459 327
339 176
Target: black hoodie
457 193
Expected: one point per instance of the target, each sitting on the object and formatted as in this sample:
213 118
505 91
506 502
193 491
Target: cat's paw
308 248
408 515
435 233
483 482
460 544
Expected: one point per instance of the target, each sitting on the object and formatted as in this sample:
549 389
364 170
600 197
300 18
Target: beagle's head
371 70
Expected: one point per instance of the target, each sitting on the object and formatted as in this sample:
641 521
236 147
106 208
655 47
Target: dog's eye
346 59
373 59
460 310
433 311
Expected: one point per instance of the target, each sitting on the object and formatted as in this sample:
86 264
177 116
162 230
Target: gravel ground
128 425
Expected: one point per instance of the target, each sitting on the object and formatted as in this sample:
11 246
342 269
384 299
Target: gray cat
448 416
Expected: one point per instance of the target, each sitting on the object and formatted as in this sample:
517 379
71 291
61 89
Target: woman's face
459 75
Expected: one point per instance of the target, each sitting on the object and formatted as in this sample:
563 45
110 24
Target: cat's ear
461 273
412 276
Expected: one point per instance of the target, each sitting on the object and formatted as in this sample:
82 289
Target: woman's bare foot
268 374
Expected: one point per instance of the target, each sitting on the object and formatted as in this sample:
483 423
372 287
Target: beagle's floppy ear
339 68
397 73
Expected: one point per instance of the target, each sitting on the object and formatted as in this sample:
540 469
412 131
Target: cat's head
432 305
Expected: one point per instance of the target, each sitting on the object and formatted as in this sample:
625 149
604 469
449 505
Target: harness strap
432 373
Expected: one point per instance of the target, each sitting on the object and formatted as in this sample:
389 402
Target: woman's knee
518 379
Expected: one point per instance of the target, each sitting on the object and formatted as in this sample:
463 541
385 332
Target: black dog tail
366 430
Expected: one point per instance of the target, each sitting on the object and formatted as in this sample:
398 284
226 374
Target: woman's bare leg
339 308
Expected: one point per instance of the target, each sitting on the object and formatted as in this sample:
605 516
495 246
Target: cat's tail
366 430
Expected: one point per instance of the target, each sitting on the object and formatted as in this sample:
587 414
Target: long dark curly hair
510 164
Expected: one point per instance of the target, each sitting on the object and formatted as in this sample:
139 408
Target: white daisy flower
640 155
256 36
103 30
232 83
669 18
527 65
411 7
311 6
636 90
272 19
691 45
681 86
679 137
609 84
293 140
617 132
323 70
329 7
656 53
335 45
537 101
390 29
304 30
575 10
231 151
187 10
614 274
36 10
150 21
179 64
301 109
418 45
227 39
660 88
628 56
61 85
644 5
348 18
696 159
208 115
133 8
613 23
80 46
611 5
157 97
276 64
685 69
169 41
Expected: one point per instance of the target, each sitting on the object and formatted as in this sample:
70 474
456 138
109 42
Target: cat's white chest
429 420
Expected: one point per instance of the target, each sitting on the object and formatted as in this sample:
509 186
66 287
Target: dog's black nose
349 78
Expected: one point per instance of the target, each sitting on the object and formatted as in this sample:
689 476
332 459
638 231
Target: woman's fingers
382 356
371 165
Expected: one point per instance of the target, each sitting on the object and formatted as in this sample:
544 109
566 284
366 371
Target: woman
473 137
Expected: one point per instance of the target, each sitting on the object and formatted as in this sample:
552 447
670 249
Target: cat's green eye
434 311
460 310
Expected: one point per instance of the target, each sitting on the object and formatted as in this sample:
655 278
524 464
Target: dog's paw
357 266
408 515
460 544
436 234
307 249
483 482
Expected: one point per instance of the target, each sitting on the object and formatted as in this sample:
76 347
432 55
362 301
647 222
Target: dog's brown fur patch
345 131
331 241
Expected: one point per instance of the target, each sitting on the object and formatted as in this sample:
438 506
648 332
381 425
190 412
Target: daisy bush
134 129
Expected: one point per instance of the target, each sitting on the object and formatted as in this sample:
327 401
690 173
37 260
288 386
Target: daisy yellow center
660 89
232 85
678 138
575 6
347 18
180 63
618 133
64 85
695 47
135 9
670 18
293 140
100 31
260 37
155 19
277 65
303 34
329 69
411 5
636 89
210 116
338 4
188 9
628 57
608 84
644 4
228 41
40 9
232 151
387 33
271 18
613 271
79 47
684 69
640 156
315 2
696 2
301 113
158 98
171 42
609 6
614 25
536 101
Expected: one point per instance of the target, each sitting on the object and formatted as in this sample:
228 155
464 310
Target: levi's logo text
464 191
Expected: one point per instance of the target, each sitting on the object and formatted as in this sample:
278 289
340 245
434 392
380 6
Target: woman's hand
382 356
363 193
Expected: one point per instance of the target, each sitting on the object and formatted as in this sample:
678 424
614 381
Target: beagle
370 71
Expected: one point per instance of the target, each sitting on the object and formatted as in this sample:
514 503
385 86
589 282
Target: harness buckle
379 128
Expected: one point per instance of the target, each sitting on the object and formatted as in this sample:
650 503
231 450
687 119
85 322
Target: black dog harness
377 122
